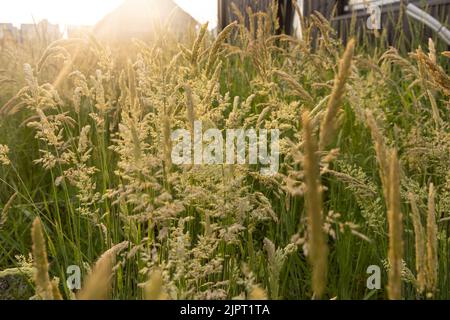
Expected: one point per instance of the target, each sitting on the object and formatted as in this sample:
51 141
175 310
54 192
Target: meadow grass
86 176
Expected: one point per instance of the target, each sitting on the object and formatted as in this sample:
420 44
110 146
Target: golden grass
103 173
317 246
44 287
328 126
395 219
419 234
154 288
97 285
432 243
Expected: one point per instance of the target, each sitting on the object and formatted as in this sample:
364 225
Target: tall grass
85 164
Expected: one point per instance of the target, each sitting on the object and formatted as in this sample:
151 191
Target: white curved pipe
420 15
425 17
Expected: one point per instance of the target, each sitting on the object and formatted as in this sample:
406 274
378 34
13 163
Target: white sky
201 10
87 12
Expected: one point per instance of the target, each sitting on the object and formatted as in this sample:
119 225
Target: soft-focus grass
74 239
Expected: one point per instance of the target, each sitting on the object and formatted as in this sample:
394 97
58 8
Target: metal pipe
416 13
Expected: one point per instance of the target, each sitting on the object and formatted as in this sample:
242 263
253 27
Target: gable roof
137 19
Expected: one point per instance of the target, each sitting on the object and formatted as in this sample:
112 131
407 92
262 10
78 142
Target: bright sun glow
87 12
202 10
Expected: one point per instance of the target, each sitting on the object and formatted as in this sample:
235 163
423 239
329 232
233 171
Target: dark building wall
285 11
396 24
325 7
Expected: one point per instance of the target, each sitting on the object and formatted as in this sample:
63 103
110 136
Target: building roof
137 19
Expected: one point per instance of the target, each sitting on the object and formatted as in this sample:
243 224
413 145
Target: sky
87 12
